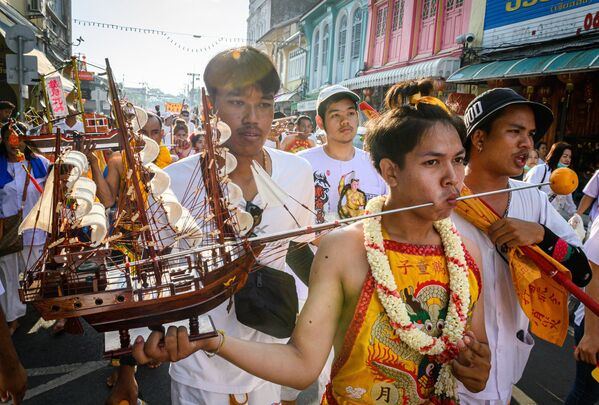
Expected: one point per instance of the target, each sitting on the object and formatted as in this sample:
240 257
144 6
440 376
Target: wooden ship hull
186 291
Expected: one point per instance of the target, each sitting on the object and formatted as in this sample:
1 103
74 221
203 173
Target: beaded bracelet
221 333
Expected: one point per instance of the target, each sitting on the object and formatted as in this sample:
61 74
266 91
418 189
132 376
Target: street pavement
69 370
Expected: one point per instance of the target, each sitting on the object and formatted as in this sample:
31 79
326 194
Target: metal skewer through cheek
325 226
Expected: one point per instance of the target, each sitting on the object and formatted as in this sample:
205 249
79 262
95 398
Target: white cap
333 90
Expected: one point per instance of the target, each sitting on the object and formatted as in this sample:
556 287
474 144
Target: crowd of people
419 306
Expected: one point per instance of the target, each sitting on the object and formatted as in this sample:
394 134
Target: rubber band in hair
433 101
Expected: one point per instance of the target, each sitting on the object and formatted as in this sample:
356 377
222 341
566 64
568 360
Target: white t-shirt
64 127
335 178
504 318
592 190
12 193
294 176
564 204
270 144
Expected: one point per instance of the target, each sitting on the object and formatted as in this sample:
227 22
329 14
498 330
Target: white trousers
11 267
181 394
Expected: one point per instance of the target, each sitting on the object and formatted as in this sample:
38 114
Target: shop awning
437 68
45 67
291 96
565 62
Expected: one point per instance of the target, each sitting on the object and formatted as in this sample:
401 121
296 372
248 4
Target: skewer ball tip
563 181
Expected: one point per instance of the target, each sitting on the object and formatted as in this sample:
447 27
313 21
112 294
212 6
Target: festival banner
58 102
173 107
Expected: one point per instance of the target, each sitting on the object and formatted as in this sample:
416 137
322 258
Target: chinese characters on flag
58 103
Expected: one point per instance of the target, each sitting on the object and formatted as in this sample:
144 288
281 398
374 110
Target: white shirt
328 173
591 250
64 127
12 193
270 144
504 318
294 176
564 204
592 190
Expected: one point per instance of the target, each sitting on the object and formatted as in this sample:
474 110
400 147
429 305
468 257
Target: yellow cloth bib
543 300
374 366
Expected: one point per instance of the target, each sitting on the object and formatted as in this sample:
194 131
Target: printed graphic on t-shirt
321 195
351 200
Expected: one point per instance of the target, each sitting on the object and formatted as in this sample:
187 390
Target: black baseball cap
494 100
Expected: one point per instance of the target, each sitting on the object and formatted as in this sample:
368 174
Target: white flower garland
445 346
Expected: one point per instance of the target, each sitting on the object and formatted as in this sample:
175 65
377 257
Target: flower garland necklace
444 348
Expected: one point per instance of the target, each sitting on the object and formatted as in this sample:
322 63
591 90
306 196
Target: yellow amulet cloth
374 366
543 300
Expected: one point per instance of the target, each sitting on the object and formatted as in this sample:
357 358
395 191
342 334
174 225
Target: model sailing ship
78 276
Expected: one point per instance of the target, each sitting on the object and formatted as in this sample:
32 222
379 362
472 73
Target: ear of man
478 139
389 171
319 122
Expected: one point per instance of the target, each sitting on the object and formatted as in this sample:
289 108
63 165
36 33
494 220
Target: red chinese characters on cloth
56 96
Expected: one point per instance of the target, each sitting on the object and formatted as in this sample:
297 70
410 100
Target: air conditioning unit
35 7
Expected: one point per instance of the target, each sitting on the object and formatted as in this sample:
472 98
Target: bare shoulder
115 160
343 249
341 259
348 240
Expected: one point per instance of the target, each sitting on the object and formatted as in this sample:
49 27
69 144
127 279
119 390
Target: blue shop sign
506 12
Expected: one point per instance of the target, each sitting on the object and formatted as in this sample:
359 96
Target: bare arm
104 190
299 363
584 204
113 179
295 364
13 379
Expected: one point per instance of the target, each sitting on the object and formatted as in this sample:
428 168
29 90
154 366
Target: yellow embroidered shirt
374 366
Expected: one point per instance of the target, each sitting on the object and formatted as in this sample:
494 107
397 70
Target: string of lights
170 36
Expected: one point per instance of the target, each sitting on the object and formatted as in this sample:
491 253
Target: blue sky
152 59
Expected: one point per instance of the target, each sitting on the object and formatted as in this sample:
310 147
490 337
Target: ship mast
133 165
210 176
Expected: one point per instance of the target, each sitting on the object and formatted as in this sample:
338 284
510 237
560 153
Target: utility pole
21 69
193 81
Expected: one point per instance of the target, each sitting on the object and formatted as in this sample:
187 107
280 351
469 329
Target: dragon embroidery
413 374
